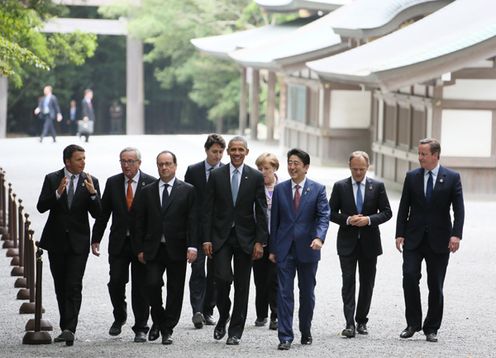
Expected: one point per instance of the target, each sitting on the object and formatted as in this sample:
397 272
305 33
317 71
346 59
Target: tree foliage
25 50
168 26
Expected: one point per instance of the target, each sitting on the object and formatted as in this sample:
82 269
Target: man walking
69 194
424 231
118 196
235 231
48 110
359 204
165 239
202 285
298 227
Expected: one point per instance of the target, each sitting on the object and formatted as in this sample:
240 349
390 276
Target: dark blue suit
291 234
427 228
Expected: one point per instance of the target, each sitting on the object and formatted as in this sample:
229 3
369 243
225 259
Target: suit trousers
202 290
232 251
436 264
48 126
265 277
366 271
67 270
166 319
119 277
286 272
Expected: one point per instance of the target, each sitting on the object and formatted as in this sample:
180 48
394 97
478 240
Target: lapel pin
441 180
370 187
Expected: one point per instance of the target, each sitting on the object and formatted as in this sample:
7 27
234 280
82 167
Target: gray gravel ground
468 329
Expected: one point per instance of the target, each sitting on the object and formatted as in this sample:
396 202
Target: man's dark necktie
165 196
359 198
297 197
429 188
70 192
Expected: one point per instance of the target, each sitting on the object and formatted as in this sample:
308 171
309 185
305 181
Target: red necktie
129 194
297 197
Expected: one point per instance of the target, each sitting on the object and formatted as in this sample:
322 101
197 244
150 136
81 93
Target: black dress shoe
362 328
233 341
408 332
116 328
140 337
198 320
273 324
154 333
68 337
306 340
59 338
431 337
220 329
284 346
349 331
260 322
209 320
166 338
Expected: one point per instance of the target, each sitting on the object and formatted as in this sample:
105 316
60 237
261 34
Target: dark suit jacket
301 227
375 206
53 106
87 111
249 215
114 202
195 175
417 217
179 220
64 222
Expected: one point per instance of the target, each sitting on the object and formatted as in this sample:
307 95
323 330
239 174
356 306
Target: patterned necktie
129 194
235 185
297 197
359 198
70 192
429 187
209 170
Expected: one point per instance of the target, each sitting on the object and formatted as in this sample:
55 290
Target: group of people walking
226 219
48 111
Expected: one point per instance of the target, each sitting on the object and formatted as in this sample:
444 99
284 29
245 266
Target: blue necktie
429 187
70 193
235 185
359 199
165 196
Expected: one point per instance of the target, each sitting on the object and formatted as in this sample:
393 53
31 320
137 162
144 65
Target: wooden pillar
255 103
243 96
135 106
283 92
271 105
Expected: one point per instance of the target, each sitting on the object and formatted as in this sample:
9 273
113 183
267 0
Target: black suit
50 116
87 111
121 252
201 284
427 228
177 223
66 237
358 245
233 230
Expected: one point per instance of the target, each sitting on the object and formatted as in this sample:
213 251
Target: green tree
25 50
168 28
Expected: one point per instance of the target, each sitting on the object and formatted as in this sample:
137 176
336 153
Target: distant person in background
71 122
48 110
264 270
88 115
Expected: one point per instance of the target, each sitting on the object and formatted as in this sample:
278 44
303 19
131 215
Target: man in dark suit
165 239
118 196
298 227
69 194
235 230
48 110
202 286
88 114
424 231
359 205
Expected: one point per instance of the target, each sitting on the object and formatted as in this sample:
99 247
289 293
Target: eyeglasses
128 162
165 164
